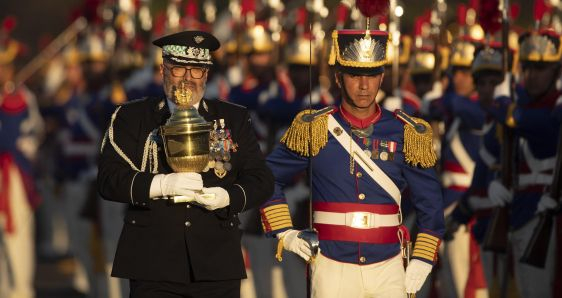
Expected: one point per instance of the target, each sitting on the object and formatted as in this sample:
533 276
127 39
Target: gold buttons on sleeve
362 259
361 196
358 174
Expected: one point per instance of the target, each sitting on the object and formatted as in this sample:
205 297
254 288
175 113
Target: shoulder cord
149 148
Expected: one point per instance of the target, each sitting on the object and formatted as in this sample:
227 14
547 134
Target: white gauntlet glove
175 184
435 92
502 90
546 203
416 274
498 194
213 198
292 242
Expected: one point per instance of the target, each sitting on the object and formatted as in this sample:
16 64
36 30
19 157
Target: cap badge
198 39
365 50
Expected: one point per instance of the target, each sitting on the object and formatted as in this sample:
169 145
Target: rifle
496 235
536 250
51 50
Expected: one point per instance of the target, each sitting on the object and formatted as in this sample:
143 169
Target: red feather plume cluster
490 16
342 13
371 8
9 23
418 23
248 6
461 14
514 11
301 16
539 9
191 9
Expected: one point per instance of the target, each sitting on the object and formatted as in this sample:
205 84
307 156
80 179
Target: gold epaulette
418 138
426 247
308 133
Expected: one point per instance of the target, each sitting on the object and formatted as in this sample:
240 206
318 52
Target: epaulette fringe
418 141
307 138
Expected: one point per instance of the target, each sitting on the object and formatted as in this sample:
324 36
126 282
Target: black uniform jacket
161 241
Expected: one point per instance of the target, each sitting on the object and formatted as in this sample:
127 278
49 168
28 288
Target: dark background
41 20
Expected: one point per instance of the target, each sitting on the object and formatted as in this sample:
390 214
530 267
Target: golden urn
186 135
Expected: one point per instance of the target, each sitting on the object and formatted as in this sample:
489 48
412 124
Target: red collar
361 123
13 102
548 101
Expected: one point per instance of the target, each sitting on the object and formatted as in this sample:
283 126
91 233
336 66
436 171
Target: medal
384 155
375 151
363 132
384 150
367 152
221 144
391 149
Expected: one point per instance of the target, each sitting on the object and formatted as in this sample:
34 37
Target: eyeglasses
181 71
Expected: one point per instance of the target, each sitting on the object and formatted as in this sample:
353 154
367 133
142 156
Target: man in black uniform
181 250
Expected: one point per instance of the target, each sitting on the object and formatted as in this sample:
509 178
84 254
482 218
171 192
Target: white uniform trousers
331 279
533 281
19 246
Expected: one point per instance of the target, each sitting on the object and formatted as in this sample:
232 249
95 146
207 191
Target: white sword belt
358 220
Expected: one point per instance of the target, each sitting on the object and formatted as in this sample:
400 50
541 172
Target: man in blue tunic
362 157
536 127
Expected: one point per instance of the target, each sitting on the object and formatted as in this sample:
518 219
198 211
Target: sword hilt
311 237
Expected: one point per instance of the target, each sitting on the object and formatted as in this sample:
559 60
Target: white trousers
18 246
80 231
331 279
533 281
455 260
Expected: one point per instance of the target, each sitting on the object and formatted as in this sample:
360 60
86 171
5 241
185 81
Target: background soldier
534 124
21 128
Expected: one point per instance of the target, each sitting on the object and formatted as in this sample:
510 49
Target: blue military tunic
485 171
536 128
466 118
338 181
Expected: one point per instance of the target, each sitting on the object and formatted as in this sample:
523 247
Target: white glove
220 199
498 194
546 203
292 242
392 103
502 90
28 145
435 92
478 203
416 274
175 184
